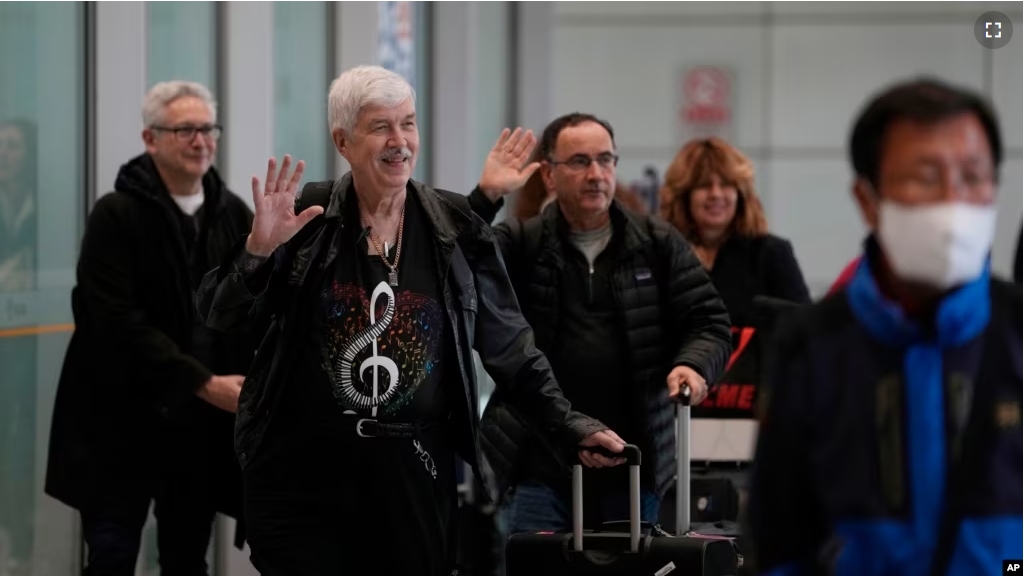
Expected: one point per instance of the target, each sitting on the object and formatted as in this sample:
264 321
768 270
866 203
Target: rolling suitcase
583 553
727 532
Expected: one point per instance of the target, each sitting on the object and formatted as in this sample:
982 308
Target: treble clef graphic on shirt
362 339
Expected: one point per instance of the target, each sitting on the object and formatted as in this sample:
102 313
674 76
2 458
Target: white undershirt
190 204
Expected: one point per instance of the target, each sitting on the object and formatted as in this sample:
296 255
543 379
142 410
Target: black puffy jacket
671 316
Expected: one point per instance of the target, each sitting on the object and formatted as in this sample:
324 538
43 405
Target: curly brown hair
693 168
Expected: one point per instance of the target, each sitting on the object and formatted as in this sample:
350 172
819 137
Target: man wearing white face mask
890 440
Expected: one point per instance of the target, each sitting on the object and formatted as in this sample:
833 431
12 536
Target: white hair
163 93
362 86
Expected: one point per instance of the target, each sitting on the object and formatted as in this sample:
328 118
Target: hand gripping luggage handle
632 454
683 462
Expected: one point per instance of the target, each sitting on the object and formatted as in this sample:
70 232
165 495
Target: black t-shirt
401 337
381 345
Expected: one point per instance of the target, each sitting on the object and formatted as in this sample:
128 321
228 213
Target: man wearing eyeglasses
147 396
620 306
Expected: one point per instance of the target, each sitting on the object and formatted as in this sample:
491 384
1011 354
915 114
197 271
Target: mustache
394 154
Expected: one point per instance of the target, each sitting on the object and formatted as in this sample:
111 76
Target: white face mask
941 245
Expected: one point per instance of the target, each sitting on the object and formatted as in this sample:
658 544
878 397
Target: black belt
373 428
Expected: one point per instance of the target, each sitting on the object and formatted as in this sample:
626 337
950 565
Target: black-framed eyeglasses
581 162
187 133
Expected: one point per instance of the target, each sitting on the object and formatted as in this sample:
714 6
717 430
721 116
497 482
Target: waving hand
275 221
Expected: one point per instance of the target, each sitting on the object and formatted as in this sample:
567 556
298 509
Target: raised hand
505 168
275 221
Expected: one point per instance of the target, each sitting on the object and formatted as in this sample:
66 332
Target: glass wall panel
42 187
301 80
182 42
492 90
421 22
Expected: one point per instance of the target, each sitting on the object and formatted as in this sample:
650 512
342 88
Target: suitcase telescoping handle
683 462
631 453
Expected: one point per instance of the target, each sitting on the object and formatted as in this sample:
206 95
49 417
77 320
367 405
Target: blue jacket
865 427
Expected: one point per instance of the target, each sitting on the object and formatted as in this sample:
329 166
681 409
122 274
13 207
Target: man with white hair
373 293
145 405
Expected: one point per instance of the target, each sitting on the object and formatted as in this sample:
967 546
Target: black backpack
314 194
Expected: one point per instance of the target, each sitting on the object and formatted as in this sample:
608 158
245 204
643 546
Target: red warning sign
707 96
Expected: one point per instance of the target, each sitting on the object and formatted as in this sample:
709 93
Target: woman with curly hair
708 194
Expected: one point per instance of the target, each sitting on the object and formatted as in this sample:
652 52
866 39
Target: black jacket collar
627 226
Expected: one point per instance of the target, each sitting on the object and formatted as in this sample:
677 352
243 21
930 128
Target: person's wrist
257 250
204 389
492 193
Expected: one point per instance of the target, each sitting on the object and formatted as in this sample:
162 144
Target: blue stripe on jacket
906 547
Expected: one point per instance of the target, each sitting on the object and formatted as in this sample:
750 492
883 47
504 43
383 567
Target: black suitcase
619 553
724 531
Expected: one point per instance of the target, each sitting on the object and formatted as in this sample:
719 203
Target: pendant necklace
383 252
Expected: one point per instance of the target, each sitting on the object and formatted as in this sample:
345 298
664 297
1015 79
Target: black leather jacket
479 304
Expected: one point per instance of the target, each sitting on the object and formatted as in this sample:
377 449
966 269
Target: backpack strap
314 194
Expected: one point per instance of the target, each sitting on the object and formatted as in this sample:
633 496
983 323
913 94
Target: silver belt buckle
359 427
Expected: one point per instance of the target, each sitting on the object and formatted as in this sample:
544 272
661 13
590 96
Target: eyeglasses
187 133
581 162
